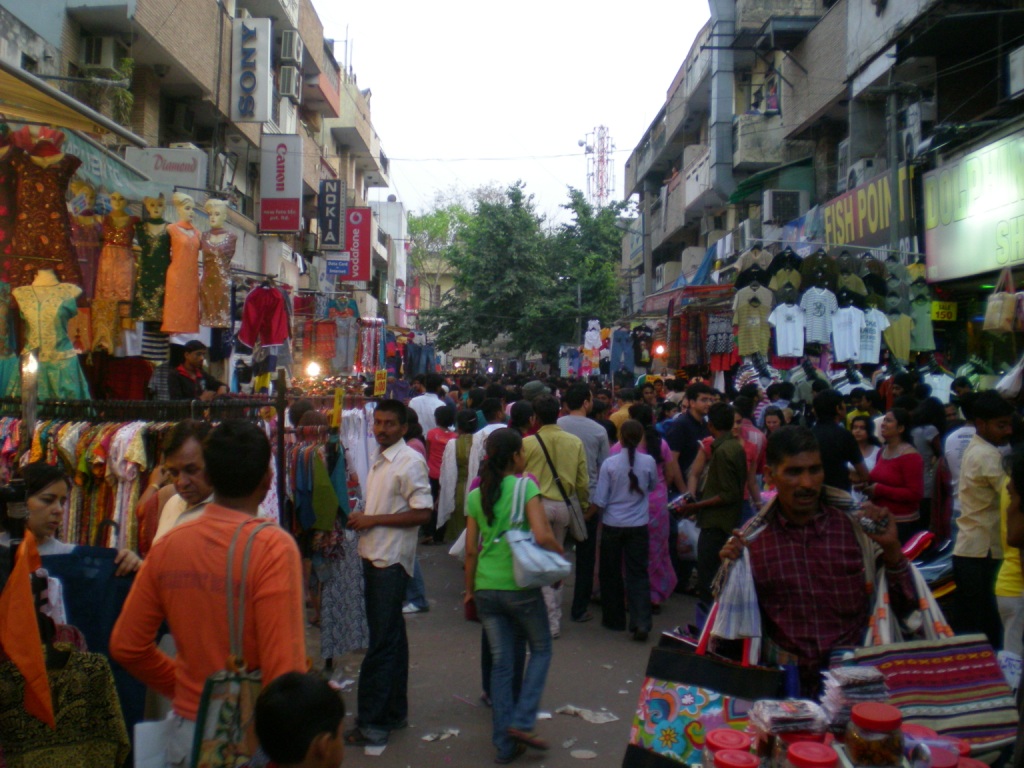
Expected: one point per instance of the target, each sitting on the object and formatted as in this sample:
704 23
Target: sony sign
251 88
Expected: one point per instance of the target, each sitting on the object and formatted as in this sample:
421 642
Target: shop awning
759 180
24 97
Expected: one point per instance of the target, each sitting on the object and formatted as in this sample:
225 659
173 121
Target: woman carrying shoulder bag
506 611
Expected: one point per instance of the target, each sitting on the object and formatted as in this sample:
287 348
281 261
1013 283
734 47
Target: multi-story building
833 125
171 72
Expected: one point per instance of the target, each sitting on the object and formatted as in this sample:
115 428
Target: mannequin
42 228
46 307
115 276
86 235
182 314
218 246
154 255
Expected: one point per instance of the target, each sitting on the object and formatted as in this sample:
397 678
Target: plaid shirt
812 587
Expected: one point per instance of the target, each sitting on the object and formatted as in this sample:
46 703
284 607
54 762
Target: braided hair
630 434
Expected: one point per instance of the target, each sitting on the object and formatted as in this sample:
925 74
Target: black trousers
625 549
709 545
586 559
974 602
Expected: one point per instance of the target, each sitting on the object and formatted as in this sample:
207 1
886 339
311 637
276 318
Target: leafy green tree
432 234
529 288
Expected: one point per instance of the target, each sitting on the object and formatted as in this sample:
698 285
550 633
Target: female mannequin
46 307
182 314
86 235
218 246
115 276
42 228
154 259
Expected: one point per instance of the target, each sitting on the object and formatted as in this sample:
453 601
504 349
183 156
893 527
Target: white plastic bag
1009 384
686 544
739 615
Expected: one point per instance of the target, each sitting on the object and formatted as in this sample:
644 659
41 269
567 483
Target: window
29 64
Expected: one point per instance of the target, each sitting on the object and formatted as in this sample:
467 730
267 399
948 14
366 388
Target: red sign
357 244
280 183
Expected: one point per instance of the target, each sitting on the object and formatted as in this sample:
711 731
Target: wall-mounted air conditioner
291 47
102 53
290 83
863 170
781 206
842 165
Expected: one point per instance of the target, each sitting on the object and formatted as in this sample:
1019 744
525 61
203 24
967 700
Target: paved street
593 668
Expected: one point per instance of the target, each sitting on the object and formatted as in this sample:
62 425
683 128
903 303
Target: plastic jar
809 754
783 741
734 758
873 736
721 739
970 762
944 758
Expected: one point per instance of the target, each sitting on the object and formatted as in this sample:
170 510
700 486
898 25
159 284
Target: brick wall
311 30
146 108
823 55
187 30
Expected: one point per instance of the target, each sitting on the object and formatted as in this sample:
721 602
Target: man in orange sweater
183 582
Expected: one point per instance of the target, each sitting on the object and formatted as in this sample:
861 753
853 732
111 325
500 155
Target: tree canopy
514 279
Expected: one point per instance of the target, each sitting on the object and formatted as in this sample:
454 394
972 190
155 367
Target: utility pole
892 108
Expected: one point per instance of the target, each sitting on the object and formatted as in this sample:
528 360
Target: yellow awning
24 97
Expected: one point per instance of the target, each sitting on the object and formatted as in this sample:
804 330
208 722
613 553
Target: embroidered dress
151 274
182 314
215 289
87 239
46 311
8 181
115 276
42 229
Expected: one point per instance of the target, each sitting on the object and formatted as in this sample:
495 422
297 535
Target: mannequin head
85 189
217 210
118 202
154 206
185 205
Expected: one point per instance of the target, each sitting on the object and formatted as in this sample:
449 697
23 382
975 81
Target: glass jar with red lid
734 758
810 754
873 736
783 741
724 738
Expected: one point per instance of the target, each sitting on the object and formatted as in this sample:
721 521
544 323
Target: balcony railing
697 176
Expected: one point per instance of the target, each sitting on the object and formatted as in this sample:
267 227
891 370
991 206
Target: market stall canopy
24 97
760 180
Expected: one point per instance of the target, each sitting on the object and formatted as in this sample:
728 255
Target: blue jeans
384 675
506 616
416 592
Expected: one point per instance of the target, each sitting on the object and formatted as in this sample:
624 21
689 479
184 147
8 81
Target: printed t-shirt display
897 336
875 322
847 324
788 320
818 304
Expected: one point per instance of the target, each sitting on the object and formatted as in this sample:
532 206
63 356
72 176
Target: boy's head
299 721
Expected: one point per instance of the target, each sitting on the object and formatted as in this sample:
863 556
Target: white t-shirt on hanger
846 327
788 320
819 305
871 335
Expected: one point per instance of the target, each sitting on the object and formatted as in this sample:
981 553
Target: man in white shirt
424 405
595 444
953 449
185 468
398 501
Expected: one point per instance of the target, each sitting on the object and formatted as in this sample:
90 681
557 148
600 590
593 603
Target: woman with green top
506 611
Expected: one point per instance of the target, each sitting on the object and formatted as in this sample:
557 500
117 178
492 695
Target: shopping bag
1001 308
1009 384
738 616
458 549
686 542
225 737
532 565
149 746
685 695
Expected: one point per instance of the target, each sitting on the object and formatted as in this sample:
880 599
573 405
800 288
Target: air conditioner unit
291 47
842 165
709 223
864 169
183 120
102 53
310 243
183 145
781 206
242 13
290 83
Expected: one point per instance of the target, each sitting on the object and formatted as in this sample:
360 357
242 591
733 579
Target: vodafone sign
280 182
357 245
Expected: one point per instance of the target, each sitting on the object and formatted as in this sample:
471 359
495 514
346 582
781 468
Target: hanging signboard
280 182
332 214
357 246
252 91
179 167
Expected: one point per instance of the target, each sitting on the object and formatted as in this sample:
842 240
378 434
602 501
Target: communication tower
599 147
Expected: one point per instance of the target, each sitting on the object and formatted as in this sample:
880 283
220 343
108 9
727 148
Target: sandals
354 737
527 738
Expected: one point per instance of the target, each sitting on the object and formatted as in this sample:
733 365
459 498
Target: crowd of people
606 473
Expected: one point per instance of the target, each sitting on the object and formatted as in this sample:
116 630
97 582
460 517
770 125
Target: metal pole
280 405
894 173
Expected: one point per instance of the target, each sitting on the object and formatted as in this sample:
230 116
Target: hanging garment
264 317
819 305
788 320
343 626
46 311
875 323
42 229
8 198
751 320
847 324
87 240
621 351
719 334
90 730
151 274
115 275
922 338
897 336
181 315
215 289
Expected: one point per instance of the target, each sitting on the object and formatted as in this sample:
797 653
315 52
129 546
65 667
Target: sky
469 93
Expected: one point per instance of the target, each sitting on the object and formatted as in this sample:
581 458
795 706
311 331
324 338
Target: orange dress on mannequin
181 308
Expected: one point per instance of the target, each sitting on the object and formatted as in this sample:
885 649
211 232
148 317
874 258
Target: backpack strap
236 599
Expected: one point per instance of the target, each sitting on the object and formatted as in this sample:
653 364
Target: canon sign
280 183
251 93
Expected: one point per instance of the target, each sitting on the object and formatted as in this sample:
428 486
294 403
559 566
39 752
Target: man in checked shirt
808 562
